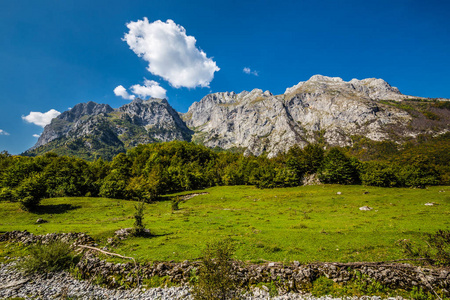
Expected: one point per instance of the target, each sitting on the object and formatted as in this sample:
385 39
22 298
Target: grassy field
311 223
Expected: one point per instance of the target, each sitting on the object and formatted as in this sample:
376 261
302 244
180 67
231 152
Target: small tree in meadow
138 227
216 279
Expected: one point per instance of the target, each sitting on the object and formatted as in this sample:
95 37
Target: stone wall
293 277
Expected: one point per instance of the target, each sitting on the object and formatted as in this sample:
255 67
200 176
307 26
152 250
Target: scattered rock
366 192
339 193
189 196
430 204
311 179
40 221
124 233
365 208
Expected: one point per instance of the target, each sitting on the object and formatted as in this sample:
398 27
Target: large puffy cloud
41 119
150 88
122 92
170 53
2 132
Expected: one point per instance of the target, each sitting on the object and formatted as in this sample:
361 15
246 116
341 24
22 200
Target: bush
379 174
114 186
216 279
139 228
6 194
30 192
175 203
339 168
436 251
54 256
142 189
419 172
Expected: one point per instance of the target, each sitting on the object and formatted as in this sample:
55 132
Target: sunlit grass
311 223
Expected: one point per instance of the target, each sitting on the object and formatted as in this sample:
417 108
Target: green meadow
306 224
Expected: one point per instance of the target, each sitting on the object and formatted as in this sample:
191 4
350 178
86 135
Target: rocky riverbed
62 285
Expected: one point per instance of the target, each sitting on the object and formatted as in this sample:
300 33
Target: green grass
306 224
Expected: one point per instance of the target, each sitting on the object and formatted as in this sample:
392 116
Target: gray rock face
99 125
373 88
158 118
83 109
62 124
320 107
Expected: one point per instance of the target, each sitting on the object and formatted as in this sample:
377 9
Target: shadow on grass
150 235
55 209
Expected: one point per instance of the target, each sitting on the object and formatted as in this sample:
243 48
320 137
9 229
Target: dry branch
108 253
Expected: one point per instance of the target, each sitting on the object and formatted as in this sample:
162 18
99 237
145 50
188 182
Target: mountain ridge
321 108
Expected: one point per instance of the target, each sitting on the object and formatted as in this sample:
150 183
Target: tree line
147 171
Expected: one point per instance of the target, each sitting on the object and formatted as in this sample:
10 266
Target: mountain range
326 109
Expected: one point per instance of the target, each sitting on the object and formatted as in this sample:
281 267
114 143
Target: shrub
430 115
378 174
322 286
54 256
216 279
419 172
264 176
142 189
6 194
440 243
339 168
175 202
30 192
436 251
114 186
138 227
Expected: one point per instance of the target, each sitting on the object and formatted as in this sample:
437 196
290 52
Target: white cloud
249 71
2 132
122 92
170 53
150 88
36 135
41 119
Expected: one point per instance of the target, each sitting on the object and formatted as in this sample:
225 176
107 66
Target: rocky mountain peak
156 114
96 128
370 88
321 78
321 108
82 109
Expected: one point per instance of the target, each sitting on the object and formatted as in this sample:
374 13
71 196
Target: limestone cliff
90 129
321 108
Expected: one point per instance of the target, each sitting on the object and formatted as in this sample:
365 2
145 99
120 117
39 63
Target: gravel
62 285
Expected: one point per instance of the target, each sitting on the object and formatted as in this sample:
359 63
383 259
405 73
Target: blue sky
55 54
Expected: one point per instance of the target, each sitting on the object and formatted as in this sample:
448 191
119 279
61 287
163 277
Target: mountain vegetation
147 171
